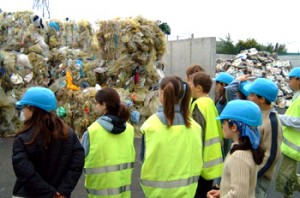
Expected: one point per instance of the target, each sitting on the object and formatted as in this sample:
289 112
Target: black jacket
43 172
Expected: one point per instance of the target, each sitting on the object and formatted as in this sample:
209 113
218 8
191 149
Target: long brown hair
46 125
245 144
175 91
111 98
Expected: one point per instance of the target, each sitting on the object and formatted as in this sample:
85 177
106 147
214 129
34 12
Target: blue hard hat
242 88
242 110
40 97
295 72
263 87
224 78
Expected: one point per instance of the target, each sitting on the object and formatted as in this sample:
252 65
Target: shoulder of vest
95 125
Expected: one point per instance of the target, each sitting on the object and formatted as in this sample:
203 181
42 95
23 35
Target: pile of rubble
74 60
260 64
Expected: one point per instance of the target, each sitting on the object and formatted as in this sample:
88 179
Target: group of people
192 147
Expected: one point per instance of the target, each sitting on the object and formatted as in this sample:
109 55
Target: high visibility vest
109 164
290 145
213 135
173 159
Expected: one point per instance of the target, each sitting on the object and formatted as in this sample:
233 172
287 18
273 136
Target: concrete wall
183 53
294 59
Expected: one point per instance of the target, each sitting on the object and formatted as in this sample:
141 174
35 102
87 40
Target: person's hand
243 78
213 194
58 195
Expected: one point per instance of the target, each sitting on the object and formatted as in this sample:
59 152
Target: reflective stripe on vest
291 137
212 149
171 184
110 191
109 165
107 169
171 167
212 163
290 144
212 141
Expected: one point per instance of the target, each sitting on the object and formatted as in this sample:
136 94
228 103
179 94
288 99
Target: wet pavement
7 177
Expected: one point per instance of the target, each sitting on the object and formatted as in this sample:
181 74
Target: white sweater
239 175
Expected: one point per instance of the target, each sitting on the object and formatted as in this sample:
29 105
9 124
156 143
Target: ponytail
175 91
124 112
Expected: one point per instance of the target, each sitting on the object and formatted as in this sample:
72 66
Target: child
263 92
236 89
222 80
172 153
109 148
193 69
288 180
201 84
240 119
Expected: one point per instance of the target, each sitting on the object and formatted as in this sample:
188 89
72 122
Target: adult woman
172 144
47 155
109 148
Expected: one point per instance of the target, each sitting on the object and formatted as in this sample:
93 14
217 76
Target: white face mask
22 116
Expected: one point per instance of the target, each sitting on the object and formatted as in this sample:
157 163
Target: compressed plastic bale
22 60
58 84
7 113
9 61
16 79
36 49
44 46
85 34
94 44
53 42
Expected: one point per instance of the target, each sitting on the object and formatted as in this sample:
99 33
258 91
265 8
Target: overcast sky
267 21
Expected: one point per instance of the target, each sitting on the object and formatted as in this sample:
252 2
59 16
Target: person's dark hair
193 69
202 79
175 91
245 144
111 98
267 101
221 97
46 125
242 96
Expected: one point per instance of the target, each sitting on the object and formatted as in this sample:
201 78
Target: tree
249 43
225 46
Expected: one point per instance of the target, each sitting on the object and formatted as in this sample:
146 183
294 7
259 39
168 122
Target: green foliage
165 28
227 46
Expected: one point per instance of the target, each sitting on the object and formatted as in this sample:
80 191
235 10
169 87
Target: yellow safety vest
109 164
213 135
173 159
290 145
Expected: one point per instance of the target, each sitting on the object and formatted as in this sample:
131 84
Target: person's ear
234 127
199 88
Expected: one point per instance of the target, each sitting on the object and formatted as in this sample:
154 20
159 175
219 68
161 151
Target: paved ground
7 177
